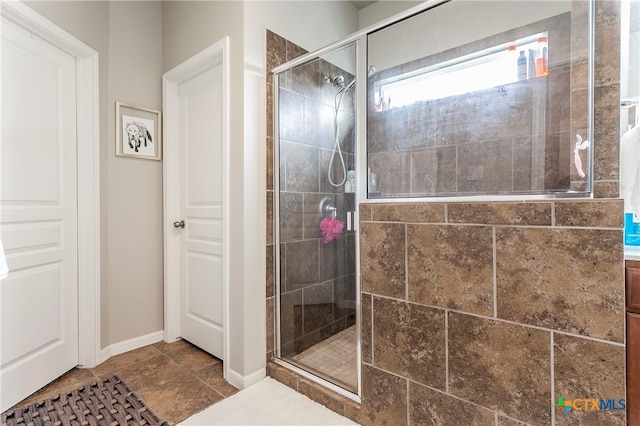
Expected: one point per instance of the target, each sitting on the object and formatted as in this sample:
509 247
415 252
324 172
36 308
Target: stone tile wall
497 308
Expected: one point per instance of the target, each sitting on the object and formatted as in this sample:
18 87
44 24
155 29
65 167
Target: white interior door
38 214
201 206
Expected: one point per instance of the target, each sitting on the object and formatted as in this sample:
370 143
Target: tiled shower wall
442 147
317 279
485 313
509 138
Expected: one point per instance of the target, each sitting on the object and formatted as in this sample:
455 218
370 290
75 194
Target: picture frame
138 132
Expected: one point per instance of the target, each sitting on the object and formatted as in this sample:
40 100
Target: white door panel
35 286
202 292
38 214
35 235
201 180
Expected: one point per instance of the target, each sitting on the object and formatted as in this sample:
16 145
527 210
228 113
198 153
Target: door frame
214 55
88 163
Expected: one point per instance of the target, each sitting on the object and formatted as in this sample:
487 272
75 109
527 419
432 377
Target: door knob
178 224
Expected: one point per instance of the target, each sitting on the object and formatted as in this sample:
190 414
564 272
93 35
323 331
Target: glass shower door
315 202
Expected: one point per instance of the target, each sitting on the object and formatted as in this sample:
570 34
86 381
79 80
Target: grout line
373 352
505 225
553 410
446 351
495 271
206 384
408 382
506 321
406 262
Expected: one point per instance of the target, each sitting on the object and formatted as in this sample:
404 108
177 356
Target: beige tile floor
176 380
334 357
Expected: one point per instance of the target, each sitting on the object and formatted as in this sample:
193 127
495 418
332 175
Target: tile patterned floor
334 357
176 380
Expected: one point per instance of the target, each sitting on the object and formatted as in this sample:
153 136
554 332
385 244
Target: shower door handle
178 224
352 224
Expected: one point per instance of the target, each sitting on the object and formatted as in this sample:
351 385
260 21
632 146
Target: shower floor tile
334 357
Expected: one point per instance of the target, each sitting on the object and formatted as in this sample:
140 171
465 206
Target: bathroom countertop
631 252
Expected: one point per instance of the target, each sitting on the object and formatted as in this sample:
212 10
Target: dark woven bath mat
108 402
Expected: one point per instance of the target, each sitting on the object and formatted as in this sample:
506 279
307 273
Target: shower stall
315 203
447 119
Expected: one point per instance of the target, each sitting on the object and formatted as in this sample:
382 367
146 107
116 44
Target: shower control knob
178 224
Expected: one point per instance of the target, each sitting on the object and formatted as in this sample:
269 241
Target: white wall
382 10
630 50
309 24
134 211
465 21
191 26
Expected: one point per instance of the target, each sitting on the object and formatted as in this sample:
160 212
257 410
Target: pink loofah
331 229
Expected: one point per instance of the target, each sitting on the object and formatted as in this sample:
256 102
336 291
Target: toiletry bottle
522 66
542 61
373 188
531 72
513 55
350 183
630 184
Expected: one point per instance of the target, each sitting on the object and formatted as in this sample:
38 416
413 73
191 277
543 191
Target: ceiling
360 4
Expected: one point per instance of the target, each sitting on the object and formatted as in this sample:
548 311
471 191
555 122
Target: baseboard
129 345
242 382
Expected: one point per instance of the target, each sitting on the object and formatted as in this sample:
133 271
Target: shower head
338 80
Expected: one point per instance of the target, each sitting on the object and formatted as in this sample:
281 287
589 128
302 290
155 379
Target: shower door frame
360 129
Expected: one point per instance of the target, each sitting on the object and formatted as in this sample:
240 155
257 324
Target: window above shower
484 98
498 66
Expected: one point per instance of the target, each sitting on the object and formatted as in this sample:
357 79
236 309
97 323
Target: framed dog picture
138 132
